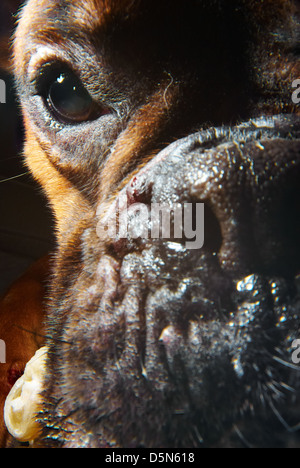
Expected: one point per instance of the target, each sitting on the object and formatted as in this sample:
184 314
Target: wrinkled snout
230 192
190 294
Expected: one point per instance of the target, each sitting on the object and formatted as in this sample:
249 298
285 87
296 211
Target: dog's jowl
133 104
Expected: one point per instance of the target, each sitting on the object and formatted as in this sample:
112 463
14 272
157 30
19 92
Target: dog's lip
170 338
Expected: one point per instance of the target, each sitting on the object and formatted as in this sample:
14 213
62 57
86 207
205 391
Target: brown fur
163 109
279 70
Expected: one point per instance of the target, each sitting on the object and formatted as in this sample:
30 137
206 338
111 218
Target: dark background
26 224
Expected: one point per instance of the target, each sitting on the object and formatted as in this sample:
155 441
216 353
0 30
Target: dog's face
154 341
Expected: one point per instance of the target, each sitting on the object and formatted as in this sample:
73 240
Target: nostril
213 238
276 220
291 215
289 229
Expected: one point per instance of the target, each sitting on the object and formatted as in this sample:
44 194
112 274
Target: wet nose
247 179
251 183
275 191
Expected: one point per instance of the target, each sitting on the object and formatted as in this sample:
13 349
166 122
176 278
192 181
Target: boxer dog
167 341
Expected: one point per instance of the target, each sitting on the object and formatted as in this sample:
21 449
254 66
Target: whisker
29 331
272 387
287 387
198 435
286 364
290 429
242 438
48 337
279 417
14 177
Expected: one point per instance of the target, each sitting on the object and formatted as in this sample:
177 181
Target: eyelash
45 75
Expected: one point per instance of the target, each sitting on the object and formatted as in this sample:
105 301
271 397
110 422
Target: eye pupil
69 100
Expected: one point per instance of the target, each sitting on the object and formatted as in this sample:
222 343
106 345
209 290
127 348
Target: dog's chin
165 342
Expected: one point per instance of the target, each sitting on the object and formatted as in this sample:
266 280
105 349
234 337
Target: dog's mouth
186 323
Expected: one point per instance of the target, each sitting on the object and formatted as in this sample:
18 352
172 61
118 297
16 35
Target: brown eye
69 100
65 96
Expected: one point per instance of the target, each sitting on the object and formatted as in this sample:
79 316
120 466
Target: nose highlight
247 177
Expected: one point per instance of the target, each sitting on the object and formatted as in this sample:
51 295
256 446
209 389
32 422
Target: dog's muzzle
183 320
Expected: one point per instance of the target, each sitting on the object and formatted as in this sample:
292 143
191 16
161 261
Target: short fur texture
151 346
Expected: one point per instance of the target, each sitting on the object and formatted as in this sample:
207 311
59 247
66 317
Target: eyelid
47 73
43 56
46 57
47 63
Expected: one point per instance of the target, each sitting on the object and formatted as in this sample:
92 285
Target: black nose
247 178
250 180
275 192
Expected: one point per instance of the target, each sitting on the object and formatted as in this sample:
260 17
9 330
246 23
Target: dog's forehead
55 21
82 14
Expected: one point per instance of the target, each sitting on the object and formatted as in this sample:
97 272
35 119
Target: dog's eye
69 100
66 97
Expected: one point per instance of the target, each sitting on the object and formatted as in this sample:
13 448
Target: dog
163 341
